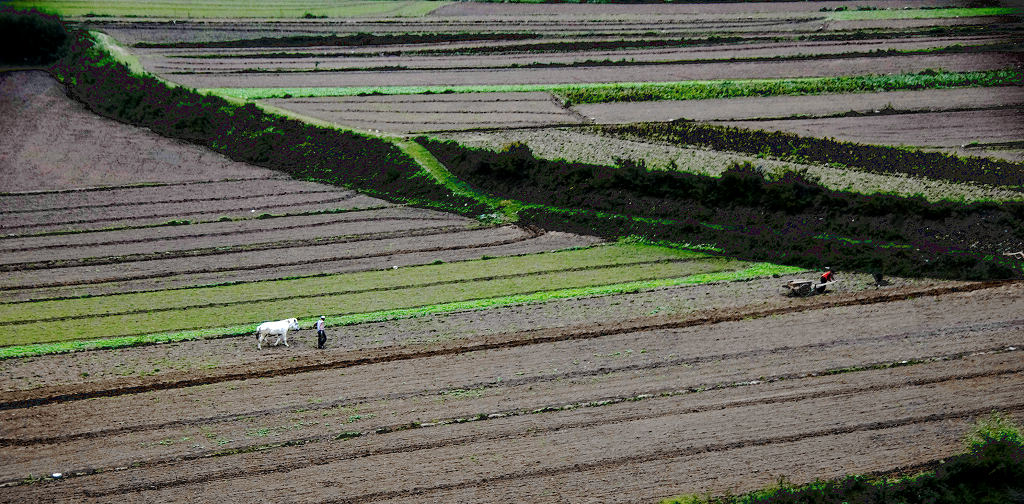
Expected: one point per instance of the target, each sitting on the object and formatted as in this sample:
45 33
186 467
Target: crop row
590 63
703 90
577 94
186 9
612 255
349 40
140 321
642 41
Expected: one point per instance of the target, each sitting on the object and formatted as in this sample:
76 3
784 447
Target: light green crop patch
233 8
353 293
739 271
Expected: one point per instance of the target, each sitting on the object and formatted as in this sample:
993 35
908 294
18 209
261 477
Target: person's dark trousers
321 338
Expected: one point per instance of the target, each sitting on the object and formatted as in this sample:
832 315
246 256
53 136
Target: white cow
277 328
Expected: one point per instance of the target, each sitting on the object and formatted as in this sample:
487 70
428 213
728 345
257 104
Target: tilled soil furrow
466 415
457 281
666 454
175 201
128 275
896 451
231 249
246 240
345 219
503 247
676 72
49 221
31 398
527 440
78 190
597 419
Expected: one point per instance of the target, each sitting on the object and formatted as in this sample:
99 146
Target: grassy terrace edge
755 270
579 94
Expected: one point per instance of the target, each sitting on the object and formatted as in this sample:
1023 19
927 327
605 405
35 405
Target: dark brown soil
931 129
727 400
661 73
51 142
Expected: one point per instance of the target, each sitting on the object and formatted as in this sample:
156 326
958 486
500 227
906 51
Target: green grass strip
439 172
704 90
750 271
856 15
621 254
145 321
576 94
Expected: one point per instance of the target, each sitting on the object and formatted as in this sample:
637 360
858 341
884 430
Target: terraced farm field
475 358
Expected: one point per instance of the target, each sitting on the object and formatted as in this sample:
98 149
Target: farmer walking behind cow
321 336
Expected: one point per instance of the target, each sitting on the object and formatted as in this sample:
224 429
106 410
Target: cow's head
293 324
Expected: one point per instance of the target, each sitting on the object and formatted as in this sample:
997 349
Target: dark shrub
30 37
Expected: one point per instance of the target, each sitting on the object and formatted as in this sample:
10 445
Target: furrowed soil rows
310 232
171 61
685 405
381 246
193 193
672 72
810 105
191 356
282 223
96 218
926 129
412 113
618 394
324 264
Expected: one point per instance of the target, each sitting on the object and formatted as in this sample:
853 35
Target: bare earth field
925 129
66 146
660 73
717 387
268 59
417 113
512 414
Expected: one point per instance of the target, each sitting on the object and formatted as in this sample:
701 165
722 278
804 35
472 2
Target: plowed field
474 359
731 398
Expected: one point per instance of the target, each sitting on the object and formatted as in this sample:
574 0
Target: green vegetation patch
715 270
703 90
232 8
356 293
578 94
29 37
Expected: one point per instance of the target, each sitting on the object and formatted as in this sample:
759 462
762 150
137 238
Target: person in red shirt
826 277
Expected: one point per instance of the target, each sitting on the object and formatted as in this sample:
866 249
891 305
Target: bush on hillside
792 219
30 37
